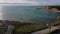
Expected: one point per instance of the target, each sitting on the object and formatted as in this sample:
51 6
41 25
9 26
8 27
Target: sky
31 2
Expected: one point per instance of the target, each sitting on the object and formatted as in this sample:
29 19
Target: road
45 31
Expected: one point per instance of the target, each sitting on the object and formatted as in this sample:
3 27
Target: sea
30 14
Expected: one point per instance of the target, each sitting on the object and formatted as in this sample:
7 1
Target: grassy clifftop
55 22
26 28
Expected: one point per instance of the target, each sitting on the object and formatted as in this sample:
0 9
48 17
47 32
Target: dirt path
45 31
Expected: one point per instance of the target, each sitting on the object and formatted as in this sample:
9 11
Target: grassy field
26 28
55 22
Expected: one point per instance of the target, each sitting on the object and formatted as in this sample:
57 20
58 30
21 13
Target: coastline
29 27
52 9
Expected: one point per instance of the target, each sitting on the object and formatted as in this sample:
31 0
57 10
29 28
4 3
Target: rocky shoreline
6 27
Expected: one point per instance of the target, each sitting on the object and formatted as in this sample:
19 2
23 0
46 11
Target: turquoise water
28 14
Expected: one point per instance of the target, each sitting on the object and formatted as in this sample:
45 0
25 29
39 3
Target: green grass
56 22
28 28
25 28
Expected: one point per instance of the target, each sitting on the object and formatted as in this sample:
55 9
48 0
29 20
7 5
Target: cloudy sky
32 2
